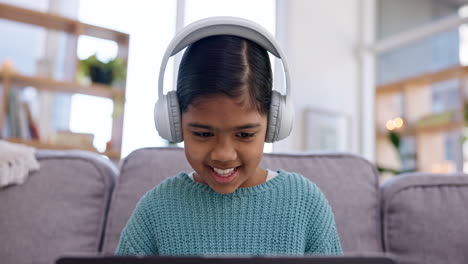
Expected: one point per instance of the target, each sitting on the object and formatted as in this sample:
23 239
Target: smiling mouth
224 176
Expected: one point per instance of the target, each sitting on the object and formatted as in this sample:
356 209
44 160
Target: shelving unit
432 107
10 79
41 145
49 84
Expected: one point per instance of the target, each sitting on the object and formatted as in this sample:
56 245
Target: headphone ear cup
161 118
167 118
274 117
175 121
280 118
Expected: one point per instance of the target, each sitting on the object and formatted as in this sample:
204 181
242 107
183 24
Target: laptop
227 260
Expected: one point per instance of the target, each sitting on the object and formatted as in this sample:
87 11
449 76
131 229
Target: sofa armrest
59 210
425 218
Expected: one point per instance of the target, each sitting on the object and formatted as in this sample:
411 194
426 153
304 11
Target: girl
229 205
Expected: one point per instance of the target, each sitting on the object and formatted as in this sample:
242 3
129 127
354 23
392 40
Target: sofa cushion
425 218
349 182
59 210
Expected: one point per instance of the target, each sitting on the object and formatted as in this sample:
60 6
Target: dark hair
226 65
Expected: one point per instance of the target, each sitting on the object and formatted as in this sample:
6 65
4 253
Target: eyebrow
247 126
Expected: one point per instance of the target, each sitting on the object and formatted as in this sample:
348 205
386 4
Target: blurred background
384 79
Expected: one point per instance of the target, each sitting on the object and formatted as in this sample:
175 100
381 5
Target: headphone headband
214 26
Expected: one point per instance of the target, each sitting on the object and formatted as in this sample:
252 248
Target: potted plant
109 73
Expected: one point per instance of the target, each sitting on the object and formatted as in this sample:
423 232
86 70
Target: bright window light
151 25
463 11
262 12
95 118
463 53
105 50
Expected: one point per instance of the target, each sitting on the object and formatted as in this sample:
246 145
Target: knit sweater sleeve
322 234
137 237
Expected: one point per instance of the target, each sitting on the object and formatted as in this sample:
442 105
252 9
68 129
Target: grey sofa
78 203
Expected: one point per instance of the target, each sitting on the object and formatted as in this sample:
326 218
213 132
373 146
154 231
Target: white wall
320 40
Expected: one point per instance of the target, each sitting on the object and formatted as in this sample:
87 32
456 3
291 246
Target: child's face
223 140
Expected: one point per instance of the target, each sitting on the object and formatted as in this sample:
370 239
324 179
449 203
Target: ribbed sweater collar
240 192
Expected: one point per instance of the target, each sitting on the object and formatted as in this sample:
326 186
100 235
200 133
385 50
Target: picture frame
326 131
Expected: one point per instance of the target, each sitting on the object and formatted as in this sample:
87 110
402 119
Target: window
151 25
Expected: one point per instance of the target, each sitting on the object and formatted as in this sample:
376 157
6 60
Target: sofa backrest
140 171
425 218
349 182
59 210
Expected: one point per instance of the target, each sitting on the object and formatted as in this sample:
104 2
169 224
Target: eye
203 134
245 135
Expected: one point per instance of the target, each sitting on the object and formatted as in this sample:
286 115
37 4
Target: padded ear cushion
274 118
161 119
175 121
166 112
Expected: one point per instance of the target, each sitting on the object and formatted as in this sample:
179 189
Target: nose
224 151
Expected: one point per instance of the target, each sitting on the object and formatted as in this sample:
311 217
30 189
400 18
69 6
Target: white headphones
167 116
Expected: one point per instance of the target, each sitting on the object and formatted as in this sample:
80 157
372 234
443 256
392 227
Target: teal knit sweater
287 215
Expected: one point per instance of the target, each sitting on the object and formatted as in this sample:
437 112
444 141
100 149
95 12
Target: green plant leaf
115 68
394 138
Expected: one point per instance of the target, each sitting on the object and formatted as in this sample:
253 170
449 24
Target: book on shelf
23 126
20 122
13 116
32 124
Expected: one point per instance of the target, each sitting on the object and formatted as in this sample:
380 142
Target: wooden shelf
429 129
61 86
42 145
56 22
455 123
424 78
73 29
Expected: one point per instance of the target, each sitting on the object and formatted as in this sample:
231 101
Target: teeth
224 173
